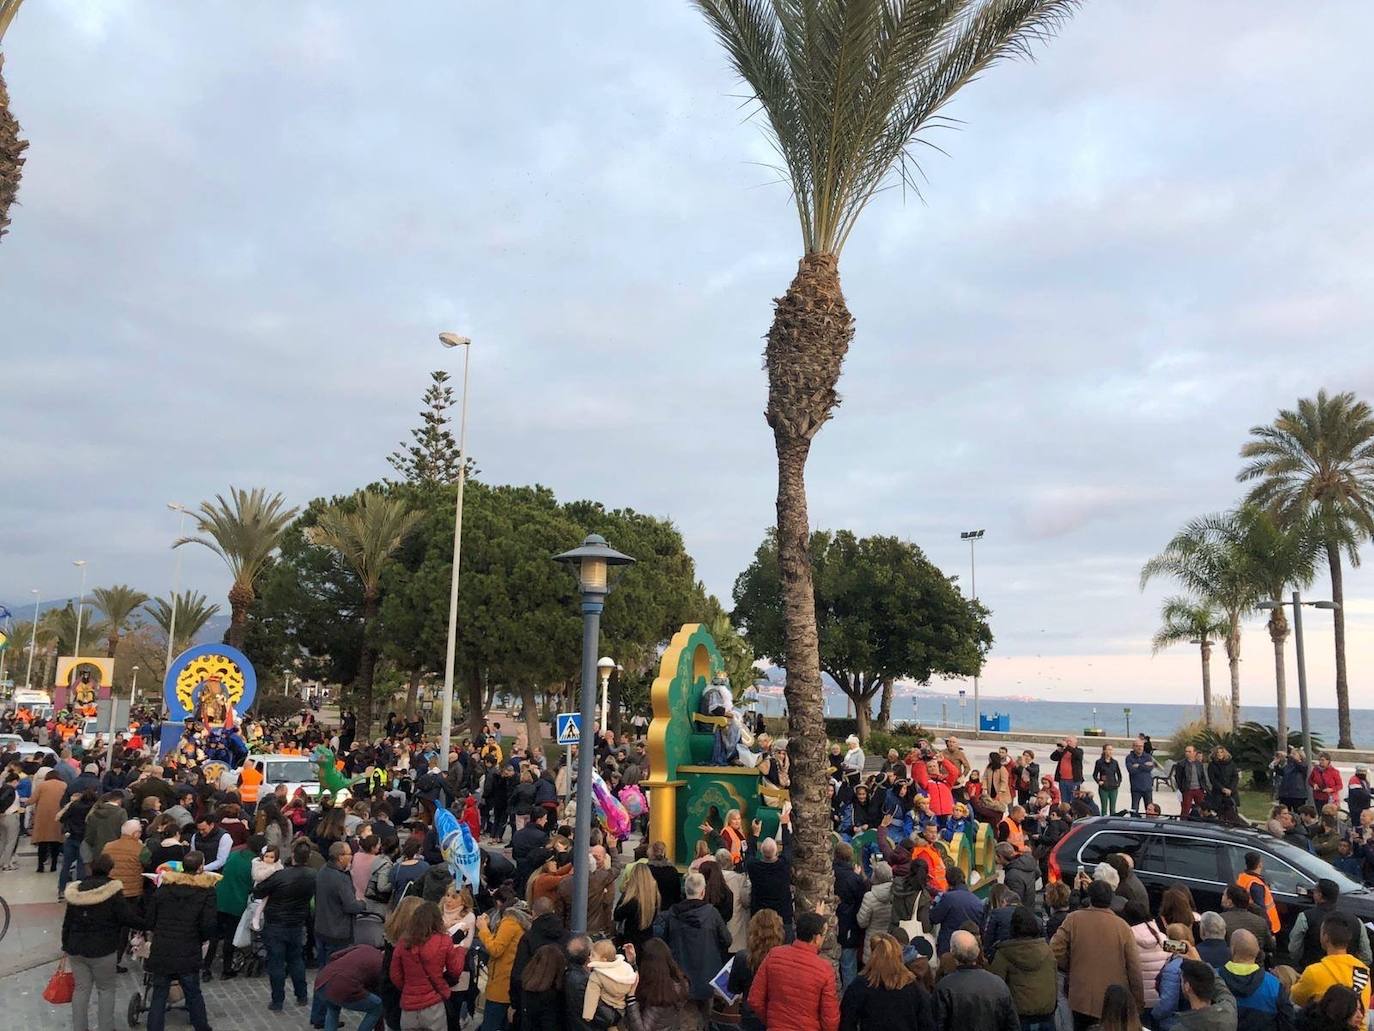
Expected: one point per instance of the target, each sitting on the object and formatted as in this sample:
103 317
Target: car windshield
1311 866
290 771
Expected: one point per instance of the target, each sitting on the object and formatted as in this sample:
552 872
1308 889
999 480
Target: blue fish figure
458 848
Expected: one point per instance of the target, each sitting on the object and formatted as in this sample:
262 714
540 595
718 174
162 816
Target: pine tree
433 457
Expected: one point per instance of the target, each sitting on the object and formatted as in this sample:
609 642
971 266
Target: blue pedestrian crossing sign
568 726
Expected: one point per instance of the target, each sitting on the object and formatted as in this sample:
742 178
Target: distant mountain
214 630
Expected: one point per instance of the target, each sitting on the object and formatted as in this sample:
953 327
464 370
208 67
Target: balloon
617 819
458 848
632 798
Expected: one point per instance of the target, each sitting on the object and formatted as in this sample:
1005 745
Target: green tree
366 532
12 145
119 603
1317 462
1190 621
432 456
1206 563
62 625
244 531
193 611
883 610
848 88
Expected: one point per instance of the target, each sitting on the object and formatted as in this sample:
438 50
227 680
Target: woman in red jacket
423 955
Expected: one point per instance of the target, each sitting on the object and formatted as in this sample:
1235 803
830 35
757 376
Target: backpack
379 882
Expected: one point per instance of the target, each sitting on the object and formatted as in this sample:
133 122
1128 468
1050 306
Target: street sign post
568 727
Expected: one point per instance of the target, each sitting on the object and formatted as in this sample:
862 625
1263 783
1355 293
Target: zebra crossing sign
568 726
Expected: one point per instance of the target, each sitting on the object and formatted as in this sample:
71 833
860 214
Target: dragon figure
331 780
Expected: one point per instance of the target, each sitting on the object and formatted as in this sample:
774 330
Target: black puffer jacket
96 912
289 893
181 915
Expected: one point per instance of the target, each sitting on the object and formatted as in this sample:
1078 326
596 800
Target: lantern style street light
593 561
605 667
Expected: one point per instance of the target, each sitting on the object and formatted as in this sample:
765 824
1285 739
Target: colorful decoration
331 780
617 819
80 681
210 683
459 849
632 798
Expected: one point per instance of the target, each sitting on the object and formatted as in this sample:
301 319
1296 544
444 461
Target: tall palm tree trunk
367 666
112 644
1206 649
1278 633
807 342
1233 660
1333 559
240 601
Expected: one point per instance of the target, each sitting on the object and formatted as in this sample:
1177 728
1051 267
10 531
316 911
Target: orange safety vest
1248 880
250 780
733 841
1015 835
935 866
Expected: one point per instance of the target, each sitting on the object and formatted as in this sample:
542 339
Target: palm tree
1318 461
848 88
12 147
61 624
1194 622
366 532
244 531
1207 565
119 603
192 613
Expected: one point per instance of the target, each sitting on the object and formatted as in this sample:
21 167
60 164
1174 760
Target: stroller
250 960
140 944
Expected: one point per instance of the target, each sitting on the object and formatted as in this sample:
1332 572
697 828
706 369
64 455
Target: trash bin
997 723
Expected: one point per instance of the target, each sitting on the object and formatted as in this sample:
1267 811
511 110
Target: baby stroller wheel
135 1009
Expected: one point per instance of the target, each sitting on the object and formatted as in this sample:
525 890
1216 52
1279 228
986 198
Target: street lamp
1127 711
446 721
1297 604
133 690
81 604
605 666
33 639
175 506
973 537
593 561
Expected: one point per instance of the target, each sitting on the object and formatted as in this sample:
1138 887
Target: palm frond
366 532
243 530
118 603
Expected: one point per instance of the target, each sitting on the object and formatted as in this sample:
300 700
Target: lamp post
446 719
1297 604
973 537
33 639
81 604
605 666
593 561
175 506
1127 711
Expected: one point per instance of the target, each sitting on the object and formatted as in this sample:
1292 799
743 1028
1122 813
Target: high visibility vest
250 781
1248 880
1015 835
935 866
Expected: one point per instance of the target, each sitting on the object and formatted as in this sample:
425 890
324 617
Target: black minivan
1206 857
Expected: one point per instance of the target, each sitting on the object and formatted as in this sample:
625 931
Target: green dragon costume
331 780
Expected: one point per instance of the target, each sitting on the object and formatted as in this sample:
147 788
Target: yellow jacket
500 946
1341 969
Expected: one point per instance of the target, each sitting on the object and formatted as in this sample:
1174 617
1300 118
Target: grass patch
1255 805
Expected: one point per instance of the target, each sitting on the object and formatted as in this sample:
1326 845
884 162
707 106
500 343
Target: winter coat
501 946
127 855
1262 1003
1096 948
699 942
547 929
875 912
235 882
1140 771
1149 941
96 914
1107 774
996 929
969 998
1292 779
1223 775
610 983
1254 922
794 990
1076 763
600 902
1020 876
866 1008
738 924
336 900
180 916
102 825
288 892
849 895
47 800
350 974
1028 967
669 883
419 971
951 911
1178 776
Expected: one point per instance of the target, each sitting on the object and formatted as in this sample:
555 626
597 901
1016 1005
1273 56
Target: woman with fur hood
96 917
181 916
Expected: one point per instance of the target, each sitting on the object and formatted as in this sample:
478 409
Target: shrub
837 728
1252 746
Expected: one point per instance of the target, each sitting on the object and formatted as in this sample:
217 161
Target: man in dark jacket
546 929
1128 885
1239 912
850 887
969 997
105 821
956 907
89 781
1020 871
700 942
1189 777
770 873
575 981
527 848
665 875
180 917
93 925
288 892
1140 772
352 980
336 900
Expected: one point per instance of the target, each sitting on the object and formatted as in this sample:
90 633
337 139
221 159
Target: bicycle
4 917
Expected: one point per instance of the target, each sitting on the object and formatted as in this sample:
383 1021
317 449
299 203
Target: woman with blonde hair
639 904
765 934
886 994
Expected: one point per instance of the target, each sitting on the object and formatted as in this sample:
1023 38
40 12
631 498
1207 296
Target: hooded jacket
1020 876
699 942
1028 967
419 971
181 915
849 894
875 912
546 929
1262 1003
96 913
103 824
611 981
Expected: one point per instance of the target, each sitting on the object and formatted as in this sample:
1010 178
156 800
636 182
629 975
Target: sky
242 225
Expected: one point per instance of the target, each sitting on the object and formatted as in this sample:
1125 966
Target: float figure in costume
331 779
213 708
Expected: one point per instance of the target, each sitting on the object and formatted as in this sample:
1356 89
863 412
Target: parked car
1206 857
90 730
295 771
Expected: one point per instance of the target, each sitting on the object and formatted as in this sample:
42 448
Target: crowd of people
201 880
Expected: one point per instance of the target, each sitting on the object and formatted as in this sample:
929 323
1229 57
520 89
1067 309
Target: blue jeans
195 1002
285 952
368 1004
323 950
71 855
494 1016
1038 1023
849 967
1066 790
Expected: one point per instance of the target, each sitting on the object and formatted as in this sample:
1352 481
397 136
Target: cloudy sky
242 225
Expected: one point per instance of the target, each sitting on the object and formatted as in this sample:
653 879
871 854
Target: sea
1157 720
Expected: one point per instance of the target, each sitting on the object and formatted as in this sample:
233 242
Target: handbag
61 986
243 933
